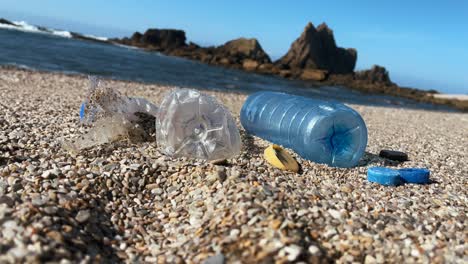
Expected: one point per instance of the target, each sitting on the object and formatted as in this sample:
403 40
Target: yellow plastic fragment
280 158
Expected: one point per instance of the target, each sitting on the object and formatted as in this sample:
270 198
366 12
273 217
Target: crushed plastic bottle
193 124
112 117
108 129
320 131
104 101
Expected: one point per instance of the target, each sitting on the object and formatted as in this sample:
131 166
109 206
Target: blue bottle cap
384 176
82 110
415 175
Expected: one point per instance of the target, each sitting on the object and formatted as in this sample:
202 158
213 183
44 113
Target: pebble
334 213
314 250
7 200
82 216
216 259
292 252
393 155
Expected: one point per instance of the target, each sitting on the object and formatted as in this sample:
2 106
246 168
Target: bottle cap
415 175
384 176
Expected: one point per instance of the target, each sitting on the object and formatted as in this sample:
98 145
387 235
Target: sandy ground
461 97
127 202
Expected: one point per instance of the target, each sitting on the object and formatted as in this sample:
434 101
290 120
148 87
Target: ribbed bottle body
321 131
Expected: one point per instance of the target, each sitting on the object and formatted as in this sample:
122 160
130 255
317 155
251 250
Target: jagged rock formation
316 49
377 74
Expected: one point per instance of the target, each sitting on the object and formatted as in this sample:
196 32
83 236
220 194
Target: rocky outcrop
377 74
6 22
157 39
313 75
316 49
243 48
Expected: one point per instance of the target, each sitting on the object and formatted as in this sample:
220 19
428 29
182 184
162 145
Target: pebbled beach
127 202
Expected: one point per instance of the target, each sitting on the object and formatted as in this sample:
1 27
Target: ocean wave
24 26
97 38
127 46
62 33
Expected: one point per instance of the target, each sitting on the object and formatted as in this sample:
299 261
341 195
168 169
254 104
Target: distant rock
136 38
313 75
164 38
316 49
250 65
377 74
243 48
157 39
6 22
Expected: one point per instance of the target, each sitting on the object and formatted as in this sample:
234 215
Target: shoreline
128 202
358 99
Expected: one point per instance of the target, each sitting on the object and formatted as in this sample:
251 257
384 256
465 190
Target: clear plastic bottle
193 124
321 131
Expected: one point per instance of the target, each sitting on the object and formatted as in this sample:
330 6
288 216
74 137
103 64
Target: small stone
50 210
275 224
82 216
221 162
212 178
314 250
220 173
393 155
152 186
292 252
55 236
50 173
369 259
335 214
7 200
216 259
302 212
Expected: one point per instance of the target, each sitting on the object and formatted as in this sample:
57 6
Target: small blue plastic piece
82 111
384 176
415 175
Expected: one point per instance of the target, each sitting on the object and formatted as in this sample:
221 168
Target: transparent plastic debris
107 130
112 117
193 124
104 101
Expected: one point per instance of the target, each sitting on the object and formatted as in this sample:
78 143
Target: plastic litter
384 176
415 175
112 117
320 131
280 158
105 101
393 155
193 124
387 176
108 129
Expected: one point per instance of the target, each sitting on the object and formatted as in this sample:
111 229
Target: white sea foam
97 38
24 26
62 33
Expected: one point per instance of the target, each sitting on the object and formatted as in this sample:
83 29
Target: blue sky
423 44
